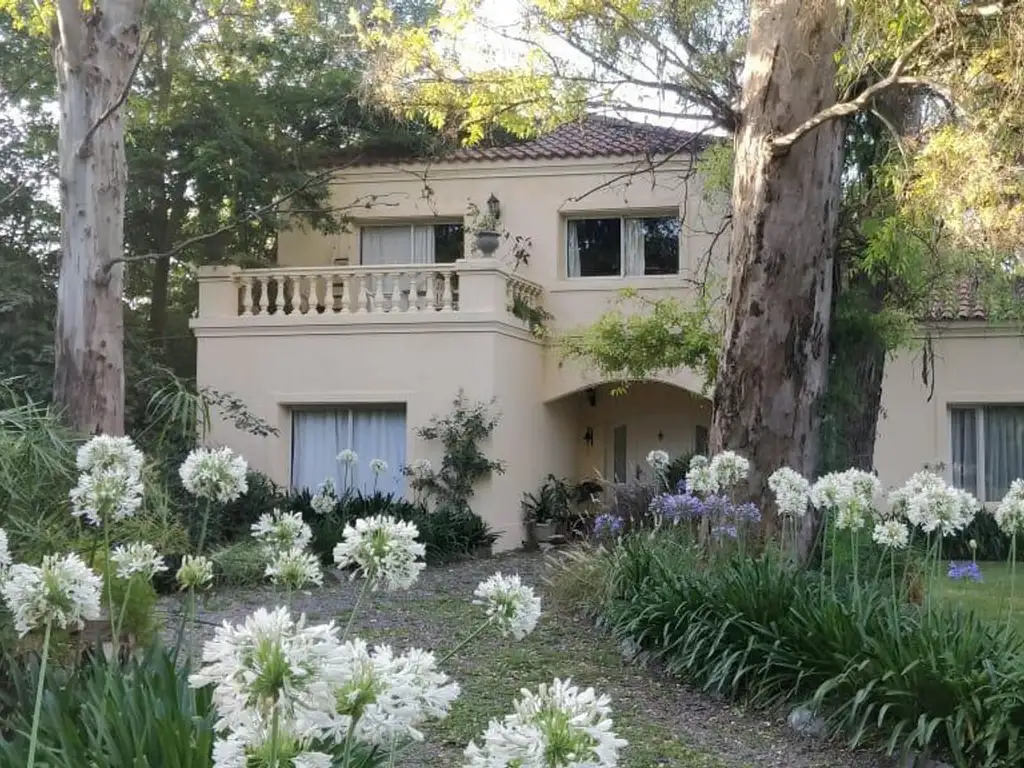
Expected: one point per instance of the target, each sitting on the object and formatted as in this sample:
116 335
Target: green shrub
938 682
242 564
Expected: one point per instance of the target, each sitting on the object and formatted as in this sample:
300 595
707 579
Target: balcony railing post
220 292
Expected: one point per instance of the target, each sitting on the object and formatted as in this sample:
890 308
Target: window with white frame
434 243
372 432
987 444
618 246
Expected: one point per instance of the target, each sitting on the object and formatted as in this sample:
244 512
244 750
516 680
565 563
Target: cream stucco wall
974 364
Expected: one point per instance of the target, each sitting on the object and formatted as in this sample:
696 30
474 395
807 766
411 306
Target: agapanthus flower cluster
383 550
104 452
729 468
792 491
558 725
1009 514
929 503
510 605
214 474
137 558
850 494
658 460
378 466
348 456
700 478
891 533
63 591
607 525
279 531
195 572
107 495
325 500
964 571
678 506
249 747
294 568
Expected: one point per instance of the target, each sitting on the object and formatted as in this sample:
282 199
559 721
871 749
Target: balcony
343 295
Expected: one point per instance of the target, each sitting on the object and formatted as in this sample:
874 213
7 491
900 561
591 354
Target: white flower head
940 507
899 498
511 605
850 494
729 469
973 544
325 499
378 466
104 452
384 550
281 531
214 474
658 460
270 662
421 467
5 554
251 746
63 591
137 558
1009 514
559 725
106 495
700 479
792 491
294 569
348 456
195 572
388 695
891 533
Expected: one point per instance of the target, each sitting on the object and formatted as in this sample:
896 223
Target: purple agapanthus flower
607 525
678 506
722 531
961 571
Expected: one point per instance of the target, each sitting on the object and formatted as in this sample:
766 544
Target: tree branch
781 144
83 149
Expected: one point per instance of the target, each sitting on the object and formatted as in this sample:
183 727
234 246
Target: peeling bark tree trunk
785 208
94 59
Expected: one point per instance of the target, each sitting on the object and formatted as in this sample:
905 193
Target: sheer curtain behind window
633 246
318 436
386 245
1004 449
572 251
964 427
380 434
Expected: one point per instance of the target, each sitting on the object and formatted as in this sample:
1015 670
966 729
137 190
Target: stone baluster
378 292
285 297
396 291
246 295
446 294
261 302
362 295
346 300
328 294
414 290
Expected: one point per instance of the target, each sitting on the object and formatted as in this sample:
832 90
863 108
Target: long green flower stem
33 740
355 609
1013 576
275 738
467 639
350 736
203 527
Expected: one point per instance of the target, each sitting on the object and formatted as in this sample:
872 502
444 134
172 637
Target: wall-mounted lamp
592 397
588 436
494 206
661 436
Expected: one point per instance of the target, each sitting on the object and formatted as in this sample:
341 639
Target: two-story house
354 340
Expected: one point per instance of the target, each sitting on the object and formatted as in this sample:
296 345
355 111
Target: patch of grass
491 671
990 598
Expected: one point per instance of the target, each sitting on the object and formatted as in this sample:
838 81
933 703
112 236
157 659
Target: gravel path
666 723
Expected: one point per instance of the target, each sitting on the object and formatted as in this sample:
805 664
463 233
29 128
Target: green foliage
464 464
241 564
552 503
136 715
665 336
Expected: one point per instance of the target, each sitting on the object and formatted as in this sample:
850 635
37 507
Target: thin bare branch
84 148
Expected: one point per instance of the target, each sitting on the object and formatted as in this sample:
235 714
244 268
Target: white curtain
1004 449
633 246
385 245
423 244
964 426
319 435
572 251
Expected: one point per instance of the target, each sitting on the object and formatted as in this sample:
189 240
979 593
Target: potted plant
546 513
486 227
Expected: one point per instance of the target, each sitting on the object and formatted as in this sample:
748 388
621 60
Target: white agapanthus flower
938 507
195 572
729 468
137 558
250 746
658 460
891 533
106 495
389 696
792 491
899 498
557 726
851 494
700 479
510 605
214 474
384 550
378 466
281 531
1009 514
325 499
63 591
294 569
348 456
105 452
271 661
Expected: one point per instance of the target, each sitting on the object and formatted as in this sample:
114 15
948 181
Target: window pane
385 245
661 245
600 247
1004 448
701 440
449 243
963 422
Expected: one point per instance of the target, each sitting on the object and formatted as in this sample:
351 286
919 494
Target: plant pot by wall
487 242
544 532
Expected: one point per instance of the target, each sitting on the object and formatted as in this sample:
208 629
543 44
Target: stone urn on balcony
486 227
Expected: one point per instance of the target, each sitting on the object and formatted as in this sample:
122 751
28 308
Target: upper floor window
436 243
613 247
987 448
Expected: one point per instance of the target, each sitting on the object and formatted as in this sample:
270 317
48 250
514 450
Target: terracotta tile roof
591 136
962 304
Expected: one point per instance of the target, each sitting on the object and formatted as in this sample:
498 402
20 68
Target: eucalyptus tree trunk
95 59
785 206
